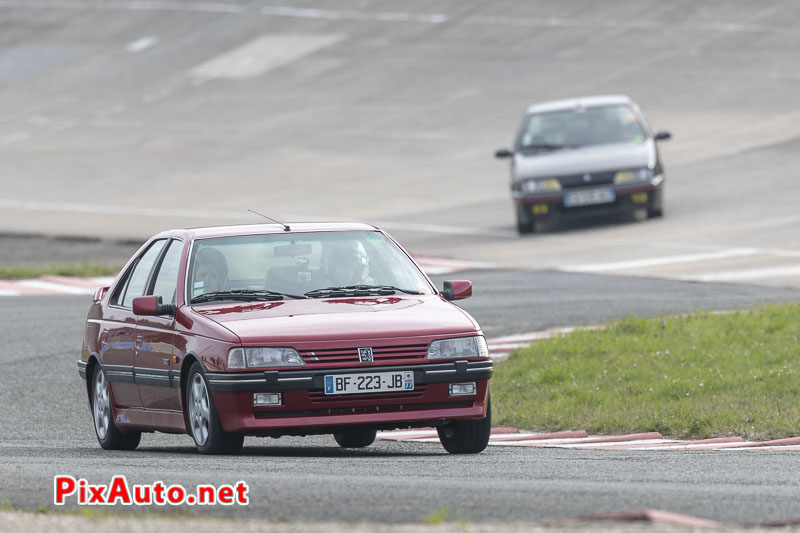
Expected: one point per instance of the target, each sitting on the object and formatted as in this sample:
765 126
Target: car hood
332 319
580 160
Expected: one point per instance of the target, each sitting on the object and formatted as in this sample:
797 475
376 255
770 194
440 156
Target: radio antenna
285 226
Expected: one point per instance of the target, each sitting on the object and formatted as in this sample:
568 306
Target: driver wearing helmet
346 263
210 272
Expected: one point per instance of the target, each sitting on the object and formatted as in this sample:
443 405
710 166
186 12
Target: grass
697 376
438 516
58 269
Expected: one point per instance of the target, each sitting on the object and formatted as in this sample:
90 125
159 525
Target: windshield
278 265
580 126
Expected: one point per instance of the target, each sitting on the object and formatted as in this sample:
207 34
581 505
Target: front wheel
109 437
471 436
355 438
206 428
525 223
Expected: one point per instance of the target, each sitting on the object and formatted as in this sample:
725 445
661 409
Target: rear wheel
109 437
471 436
206 428
355 438
655 212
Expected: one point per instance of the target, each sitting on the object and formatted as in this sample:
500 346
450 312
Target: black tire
470 436
655 213
355 438
525 224
205 427
108 435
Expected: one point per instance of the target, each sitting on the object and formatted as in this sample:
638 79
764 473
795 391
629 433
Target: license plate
367 383
604 195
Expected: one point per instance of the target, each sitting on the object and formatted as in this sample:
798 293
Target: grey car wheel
199 409
108 435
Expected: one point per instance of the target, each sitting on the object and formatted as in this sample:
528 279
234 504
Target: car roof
255 229
581 101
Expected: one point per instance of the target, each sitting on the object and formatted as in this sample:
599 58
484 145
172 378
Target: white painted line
4 292
130 5
613 444
54 287
452 230
389 16
103 281
243 215
742 275
142 44
568 22
331 14
661 261
263 54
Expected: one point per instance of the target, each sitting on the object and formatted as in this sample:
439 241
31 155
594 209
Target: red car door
156 374
118 341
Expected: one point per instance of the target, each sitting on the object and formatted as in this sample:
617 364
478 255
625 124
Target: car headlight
461 347
263 357
625 177
541 185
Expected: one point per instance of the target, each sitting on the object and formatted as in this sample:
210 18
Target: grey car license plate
602 195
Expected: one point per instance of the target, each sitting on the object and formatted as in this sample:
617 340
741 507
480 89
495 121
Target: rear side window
141 273
167 278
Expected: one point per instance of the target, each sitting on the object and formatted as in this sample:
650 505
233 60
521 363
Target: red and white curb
503 436
501 347
441 265
52 285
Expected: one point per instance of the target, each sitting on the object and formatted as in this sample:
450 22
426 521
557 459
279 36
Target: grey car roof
582 101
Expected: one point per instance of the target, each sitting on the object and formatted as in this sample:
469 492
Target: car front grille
394 354
574 181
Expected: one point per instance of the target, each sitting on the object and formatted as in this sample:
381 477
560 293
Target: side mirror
152 306
503 153
456 289
663 136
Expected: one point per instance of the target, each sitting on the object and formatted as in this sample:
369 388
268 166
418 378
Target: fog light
639 197
266 399
463 389
540 209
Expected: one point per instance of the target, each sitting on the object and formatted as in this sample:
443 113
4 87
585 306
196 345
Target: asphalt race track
122 118
48 431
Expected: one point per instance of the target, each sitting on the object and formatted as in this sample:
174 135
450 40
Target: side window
141 272
167 278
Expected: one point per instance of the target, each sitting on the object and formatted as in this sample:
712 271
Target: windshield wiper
359 290
244 295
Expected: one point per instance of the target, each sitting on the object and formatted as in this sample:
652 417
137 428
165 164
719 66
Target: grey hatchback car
584 156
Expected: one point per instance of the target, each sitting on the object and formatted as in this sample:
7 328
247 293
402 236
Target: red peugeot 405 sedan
271 330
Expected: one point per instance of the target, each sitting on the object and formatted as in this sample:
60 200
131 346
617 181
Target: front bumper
627 198
289 380
306 409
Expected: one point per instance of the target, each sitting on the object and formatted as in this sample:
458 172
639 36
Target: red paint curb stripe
543 436
654 515
83 283
716 440
22 289
778 442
